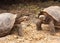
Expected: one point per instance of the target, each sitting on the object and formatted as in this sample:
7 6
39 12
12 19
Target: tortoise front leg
52 27
20 31
38 24
19 27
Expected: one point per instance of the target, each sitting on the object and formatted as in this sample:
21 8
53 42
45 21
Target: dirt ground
30 33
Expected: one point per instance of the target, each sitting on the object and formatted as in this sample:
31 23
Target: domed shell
53 11
7 21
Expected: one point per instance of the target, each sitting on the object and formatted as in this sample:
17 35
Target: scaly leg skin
38 24
52 27
20 32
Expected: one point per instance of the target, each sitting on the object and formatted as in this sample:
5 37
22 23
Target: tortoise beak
42 17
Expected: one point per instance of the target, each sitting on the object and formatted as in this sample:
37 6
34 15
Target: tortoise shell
53 11
7 21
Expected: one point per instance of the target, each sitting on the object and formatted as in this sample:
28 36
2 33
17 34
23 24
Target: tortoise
49 17
7 21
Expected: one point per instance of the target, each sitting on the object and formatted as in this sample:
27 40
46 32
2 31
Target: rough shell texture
6 23
53 11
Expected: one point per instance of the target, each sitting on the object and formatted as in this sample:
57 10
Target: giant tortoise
7 21
49 17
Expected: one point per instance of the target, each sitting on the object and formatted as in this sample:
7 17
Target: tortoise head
45 17
42 17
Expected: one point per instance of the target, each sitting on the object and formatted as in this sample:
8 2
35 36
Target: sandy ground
30 33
